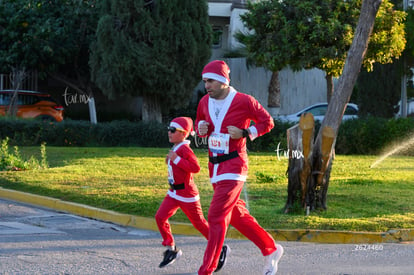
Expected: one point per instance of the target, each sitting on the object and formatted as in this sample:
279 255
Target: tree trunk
151 108
300 142
16 79
322 160
273 99
329 87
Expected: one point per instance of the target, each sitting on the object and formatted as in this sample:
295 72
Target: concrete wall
301 89
298 89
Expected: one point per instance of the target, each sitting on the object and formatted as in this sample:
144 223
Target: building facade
297 89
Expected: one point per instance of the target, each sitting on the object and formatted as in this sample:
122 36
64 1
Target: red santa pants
227 208
169 207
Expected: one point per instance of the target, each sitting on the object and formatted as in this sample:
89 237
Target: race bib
219 143
170 174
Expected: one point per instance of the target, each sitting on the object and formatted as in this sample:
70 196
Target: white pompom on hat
217 70
184 124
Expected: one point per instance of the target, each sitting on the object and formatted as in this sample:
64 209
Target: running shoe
272 260
170 256
225 250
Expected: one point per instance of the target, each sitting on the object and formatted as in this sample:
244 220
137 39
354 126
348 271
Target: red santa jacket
180 173
238 110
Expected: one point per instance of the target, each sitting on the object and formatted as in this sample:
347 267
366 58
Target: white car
410 108
318 111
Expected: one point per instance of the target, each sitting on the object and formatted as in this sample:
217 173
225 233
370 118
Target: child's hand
172 155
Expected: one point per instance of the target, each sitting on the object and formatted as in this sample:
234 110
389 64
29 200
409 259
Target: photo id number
368 247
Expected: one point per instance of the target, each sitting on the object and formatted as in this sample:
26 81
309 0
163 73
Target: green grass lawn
134 181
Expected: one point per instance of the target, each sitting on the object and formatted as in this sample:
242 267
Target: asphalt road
35 240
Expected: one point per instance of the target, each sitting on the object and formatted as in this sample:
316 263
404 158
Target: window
4 99
217 36
27 99
318 111
350 111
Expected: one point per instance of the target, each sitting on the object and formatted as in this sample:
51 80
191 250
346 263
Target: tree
322 154
309 176
153 49
304 34
385 81
50 37
75 72
409 52
377 92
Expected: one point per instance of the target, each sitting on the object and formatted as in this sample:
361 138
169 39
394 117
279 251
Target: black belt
218 159
177 186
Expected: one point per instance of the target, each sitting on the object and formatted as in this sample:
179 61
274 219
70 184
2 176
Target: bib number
219 143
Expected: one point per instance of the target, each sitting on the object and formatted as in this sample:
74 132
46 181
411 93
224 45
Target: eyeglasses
173 129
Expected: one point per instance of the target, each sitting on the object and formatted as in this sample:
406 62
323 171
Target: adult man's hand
203 128
235 133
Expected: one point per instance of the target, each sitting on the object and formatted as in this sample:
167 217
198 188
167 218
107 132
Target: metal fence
30 82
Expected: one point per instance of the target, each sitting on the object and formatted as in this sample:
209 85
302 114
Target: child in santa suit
183 192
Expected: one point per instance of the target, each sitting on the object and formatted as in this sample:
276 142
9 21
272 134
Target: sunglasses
173 130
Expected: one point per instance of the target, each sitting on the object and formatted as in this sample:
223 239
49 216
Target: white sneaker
272 260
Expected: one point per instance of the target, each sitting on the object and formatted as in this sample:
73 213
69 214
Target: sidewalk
298 235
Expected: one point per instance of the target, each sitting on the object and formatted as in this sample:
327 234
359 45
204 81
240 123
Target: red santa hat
184 124
217 70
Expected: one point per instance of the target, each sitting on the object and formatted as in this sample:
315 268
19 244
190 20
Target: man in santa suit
224 116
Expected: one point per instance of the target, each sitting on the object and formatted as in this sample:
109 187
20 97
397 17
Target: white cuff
253 132
177 160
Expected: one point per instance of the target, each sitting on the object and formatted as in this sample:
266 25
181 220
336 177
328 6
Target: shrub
361 136
270 141
15 162
371 135
83 133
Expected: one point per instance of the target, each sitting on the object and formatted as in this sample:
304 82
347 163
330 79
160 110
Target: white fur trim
217 77
177 126
228 176
174 195
177 160
253 132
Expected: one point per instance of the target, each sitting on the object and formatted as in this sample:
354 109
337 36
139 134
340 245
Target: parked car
410 108
32 104
318 111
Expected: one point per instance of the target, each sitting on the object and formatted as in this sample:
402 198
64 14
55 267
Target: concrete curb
299 235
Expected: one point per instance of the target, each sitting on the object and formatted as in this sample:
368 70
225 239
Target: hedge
373 135
83 133
360 136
